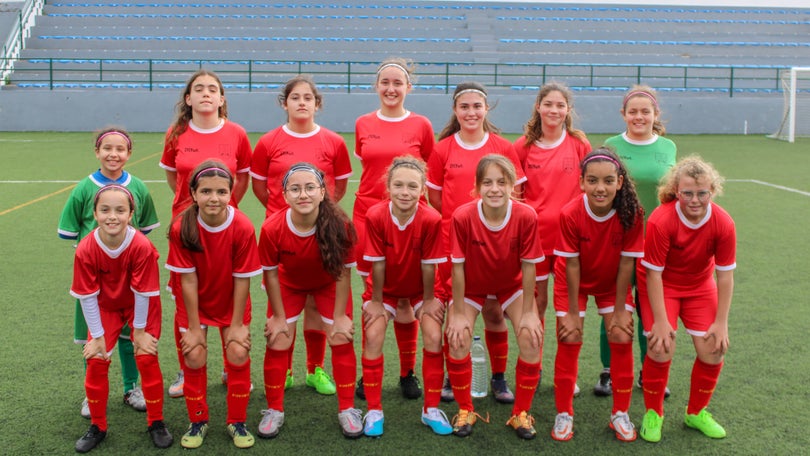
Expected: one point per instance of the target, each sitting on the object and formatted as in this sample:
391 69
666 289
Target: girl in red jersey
212 249
601 236
403 245
495 253
380 136
202 131
115 277
688 272
302 140
467 137
308 250
550 151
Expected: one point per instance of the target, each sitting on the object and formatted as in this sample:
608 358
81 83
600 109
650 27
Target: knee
237 354
196 358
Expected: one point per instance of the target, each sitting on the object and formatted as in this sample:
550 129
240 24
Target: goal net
796 89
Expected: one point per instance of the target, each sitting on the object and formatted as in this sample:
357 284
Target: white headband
395 65
479 92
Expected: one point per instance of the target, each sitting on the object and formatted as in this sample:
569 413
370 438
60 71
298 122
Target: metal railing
16 39
352 76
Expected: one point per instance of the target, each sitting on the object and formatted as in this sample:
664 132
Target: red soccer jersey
380 139
227 143
552 180
599 242
451 170
492 255
281 148
115 275
229 251
404 248
688 253
295 254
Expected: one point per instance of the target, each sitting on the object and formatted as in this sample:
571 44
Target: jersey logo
456 166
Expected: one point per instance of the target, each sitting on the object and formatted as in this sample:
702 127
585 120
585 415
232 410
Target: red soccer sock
656 376
460 373
152 386
238 391
290 355
566 367
433 376
344 369
274 377
407 335
498 348
372 382
704 380
621 375
526 378
316 348
177 336
194 391
97 389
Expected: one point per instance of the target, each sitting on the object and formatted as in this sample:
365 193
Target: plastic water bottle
480 378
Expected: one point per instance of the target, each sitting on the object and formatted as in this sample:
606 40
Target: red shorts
295 300
605 302
504 299
114 320
390 303
697 312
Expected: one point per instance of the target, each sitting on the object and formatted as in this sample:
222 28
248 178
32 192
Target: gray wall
87 110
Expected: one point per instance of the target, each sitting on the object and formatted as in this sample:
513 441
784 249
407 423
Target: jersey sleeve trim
651 266
343 176
729 267
84 296
243 170
539 278
434 260
457 260
69 235
350 265
181 270
560 253
257 176
433 186
534 260
150 228
146 293
632 254
269 268
167 167
373 259
245 275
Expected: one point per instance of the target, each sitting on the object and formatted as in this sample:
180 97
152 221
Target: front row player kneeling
307 250
687 272
497 237
115 277
212 246
600 237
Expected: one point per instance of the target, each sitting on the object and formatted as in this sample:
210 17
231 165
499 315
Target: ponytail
626 203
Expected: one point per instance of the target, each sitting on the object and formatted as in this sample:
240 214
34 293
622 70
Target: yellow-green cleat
321 381
289 381
193 438
651 426
704 423
242 438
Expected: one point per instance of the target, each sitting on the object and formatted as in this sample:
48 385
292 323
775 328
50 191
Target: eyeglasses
702 195
295 191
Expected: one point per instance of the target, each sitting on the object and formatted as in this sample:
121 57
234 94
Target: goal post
796 90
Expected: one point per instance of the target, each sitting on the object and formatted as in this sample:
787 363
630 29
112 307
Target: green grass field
761 399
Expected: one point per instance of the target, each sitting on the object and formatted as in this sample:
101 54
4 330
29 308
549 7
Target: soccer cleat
90 439
651 426
271 423
351 423
704 423
437 421
604 386
464 420
409 385
160 435
640 385
374 421
523 424
501 391
321 381
288 382
577 391
360 390
85 409
134 398
563 427
194 436
242 438
447 391
625 430
176 388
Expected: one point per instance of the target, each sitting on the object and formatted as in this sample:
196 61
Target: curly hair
692 166
626 203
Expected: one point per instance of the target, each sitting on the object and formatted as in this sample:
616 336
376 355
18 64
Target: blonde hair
694 167
410 162
506 166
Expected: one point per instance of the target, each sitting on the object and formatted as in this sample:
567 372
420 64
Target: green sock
604 347
126 353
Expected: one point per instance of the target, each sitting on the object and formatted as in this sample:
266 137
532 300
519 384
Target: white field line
768 184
